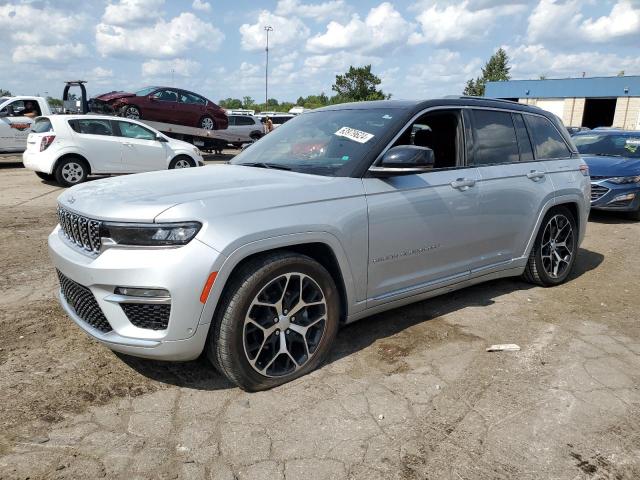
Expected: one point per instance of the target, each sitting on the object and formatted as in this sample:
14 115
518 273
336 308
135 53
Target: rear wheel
47 177
182 161
277 320
132 112
554 251
71 171
207 123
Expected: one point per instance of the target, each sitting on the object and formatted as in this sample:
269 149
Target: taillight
46 141
584 169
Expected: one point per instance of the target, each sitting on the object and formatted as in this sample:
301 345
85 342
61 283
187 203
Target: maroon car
170 105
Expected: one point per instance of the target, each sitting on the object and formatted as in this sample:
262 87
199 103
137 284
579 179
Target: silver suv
340 213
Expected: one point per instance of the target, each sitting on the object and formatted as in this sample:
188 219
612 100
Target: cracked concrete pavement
408 394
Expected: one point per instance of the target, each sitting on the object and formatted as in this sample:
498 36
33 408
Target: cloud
530 61
554 20
201 6
336 62
164 39
459 21
285 31
317 11
444 72
383 26
49 54
100 73
163 68
127 12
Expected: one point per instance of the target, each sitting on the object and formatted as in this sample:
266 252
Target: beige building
589 102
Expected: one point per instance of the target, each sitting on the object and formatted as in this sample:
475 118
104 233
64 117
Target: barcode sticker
355 135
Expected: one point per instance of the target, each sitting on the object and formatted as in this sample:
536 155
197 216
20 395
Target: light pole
267 29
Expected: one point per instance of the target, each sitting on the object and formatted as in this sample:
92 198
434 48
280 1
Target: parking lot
407 394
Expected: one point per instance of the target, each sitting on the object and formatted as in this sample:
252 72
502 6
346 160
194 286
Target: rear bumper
38 161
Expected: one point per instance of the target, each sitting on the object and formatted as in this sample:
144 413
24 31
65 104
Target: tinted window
145 91
167 96
92 127
547 141
187 97
280 120
244 120
494 138
133 130
524 143
42 125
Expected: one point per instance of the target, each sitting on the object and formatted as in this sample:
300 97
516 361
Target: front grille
147 315
83 303
82 231
598 191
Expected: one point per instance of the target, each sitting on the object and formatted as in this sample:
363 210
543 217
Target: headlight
197 151
621 180
149 235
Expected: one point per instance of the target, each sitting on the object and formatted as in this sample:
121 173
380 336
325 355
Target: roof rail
472 97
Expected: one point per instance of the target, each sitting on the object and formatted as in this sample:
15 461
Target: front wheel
207 123
277 320
554 251
182 161
71 171
132 112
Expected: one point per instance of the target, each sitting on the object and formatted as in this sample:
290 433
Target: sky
420 48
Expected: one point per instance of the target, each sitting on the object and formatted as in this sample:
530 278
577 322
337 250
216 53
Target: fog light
142 292
624 198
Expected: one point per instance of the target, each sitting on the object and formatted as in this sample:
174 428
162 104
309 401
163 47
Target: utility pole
267 29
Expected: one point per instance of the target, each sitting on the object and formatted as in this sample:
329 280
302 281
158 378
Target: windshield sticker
355 135
632 144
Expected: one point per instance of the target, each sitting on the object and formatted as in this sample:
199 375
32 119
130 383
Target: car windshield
609 145
326 142
145 91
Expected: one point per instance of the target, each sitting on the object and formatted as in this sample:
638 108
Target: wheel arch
323 250
72 155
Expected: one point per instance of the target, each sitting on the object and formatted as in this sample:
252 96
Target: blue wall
566 88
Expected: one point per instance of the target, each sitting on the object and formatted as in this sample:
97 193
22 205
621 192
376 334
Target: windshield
3 99
603 144
145 91
327 143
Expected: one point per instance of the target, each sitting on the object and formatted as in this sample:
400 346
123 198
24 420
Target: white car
246 128
68 148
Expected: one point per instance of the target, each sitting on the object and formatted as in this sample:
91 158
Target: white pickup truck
16 117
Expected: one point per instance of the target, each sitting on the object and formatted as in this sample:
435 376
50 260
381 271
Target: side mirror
404 160
161 138
8 112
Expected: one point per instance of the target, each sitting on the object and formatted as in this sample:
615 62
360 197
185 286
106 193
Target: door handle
463 183
535 175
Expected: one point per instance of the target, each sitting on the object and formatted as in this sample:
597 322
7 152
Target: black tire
131 111
207 123
256 136
71 171
47 177
538 270
180 162
226 343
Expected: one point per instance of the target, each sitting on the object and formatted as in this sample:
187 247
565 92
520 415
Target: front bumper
181 271
613 197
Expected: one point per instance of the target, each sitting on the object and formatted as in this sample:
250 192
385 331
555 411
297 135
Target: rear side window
42 125
280 120
494 138
524 143
244 120
547 141
92 127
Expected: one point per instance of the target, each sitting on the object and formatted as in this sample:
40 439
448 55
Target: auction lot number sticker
355 135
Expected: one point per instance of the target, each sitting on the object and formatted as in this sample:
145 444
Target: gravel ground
408 394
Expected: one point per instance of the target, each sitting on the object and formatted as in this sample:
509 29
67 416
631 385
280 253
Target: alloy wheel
284 325
182 163
207 123
557 247
133 113
72 172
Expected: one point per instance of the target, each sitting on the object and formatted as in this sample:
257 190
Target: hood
107 97
612 166
223 189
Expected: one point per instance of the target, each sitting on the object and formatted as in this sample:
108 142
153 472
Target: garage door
554 106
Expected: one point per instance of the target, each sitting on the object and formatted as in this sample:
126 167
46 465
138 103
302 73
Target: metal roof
591 87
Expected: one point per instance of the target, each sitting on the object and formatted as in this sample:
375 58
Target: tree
230 103
495 70
357 85
5 93
620 73
542 77
54 102
248 102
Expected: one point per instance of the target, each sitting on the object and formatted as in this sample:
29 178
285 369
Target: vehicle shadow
200 375
10 164
610 218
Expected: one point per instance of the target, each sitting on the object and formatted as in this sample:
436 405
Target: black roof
415 106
